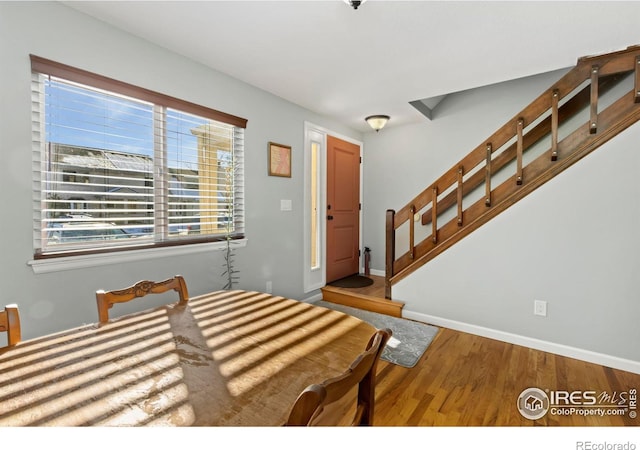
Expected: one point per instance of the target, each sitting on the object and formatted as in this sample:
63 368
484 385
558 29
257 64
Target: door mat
352 281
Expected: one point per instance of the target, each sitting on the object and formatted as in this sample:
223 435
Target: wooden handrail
542 129
601 73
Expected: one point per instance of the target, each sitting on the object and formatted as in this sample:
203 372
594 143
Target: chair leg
103 307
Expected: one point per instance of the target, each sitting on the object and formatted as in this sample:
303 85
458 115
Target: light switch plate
285 205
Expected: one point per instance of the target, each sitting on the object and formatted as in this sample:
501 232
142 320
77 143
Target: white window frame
315 277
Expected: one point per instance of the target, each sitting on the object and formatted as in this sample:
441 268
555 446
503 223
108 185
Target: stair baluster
519 150
593 127
434 215
554 125
604 73
412 221
460 194
487 177
637 81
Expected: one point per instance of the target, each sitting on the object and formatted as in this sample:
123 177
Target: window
314 207
119 167
315 201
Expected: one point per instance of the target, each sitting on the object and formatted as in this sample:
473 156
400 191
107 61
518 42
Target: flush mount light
354 3
377 122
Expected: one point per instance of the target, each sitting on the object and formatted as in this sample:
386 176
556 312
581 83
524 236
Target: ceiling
348 64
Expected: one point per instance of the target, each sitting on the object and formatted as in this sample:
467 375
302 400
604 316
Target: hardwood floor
467 380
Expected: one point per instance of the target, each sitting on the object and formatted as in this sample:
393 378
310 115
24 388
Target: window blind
116 166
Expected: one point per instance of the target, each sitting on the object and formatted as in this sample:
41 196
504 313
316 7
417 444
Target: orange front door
343 208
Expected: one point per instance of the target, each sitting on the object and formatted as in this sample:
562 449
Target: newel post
390 251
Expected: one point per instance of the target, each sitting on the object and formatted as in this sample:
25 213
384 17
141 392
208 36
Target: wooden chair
106 299
10 322
314 405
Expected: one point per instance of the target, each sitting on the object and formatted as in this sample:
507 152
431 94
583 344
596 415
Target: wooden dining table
227 358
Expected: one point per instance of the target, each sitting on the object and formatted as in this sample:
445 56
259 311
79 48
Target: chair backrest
106 299
316 405
10 322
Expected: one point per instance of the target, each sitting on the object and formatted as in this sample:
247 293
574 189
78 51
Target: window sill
103 259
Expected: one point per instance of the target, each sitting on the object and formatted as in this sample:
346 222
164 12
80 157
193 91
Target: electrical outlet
540 308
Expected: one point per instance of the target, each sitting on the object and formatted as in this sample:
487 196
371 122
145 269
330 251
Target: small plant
230 274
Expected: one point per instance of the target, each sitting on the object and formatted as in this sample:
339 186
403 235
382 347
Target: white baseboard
537 344
314 298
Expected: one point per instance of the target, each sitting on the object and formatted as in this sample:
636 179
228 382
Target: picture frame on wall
279 157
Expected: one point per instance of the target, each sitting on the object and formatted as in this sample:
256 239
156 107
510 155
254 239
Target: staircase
369 298
592 103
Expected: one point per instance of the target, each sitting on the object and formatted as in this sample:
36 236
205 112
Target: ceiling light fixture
377 122
354 3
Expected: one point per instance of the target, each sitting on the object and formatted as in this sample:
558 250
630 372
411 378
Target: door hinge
360 206
359 253
361 160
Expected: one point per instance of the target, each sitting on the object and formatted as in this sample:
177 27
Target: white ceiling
348 64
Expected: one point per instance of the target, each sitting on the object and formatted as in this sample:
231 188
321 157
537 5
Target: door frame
315 278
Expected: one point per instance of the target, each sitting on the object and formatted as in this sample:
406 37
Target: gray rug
408 342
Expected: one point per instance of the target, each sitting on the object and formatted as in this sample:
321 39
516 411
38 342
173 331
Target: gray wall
572 243
55 301
552 246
